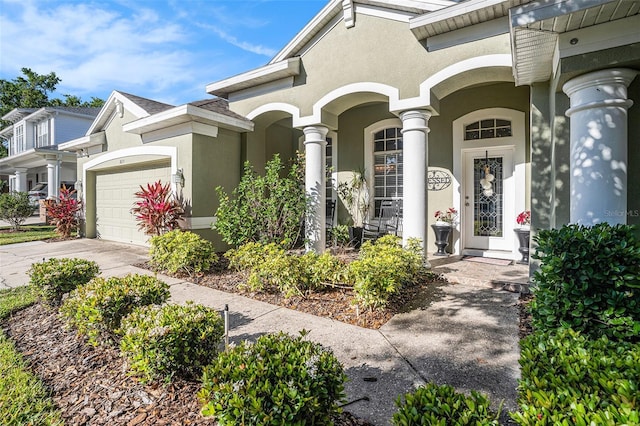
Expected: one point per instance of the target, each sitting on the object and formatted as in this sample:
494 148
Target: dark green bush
279 380
168 340
568 378
382 268
263 209
96 308
589 280
443 406
55 277
178 251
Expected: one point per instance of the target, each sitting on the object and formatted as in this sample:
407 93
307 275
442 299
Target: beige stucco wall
344 56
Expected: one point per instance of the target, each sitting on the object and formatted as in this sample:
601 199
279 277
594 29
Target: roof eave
287 68
185 114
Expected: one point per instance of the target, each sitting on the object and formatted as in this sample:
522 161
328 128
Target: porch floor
512 276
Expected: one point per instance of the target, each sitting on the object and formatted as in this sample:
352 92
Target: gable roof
286 63
219 105
348 9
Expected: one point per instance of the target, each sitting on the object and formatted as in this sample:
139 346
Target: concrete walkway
465 335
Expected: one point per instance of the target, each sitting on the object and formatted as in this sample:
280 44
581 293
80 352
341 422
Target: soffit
460 15
536 27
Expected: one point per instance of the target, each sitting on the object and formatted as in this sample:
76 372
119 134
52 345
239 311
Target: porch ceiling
33 158
536 29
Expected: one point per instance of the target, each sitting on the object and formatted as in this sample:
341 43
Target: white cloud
249 47
91 48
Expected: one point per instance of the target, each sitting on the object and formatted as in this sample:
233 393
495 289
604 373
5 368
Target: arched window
387 166
487 129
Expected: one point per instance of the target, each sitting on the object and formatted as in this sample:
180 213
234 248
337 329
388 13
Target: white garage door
115 198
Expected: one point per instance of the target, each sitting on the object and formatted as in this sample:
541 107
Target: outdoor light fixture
573 41
178 177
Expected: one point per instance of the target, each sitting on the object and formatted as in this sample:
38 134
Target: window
19 139
41 133
387 166
329 168
487 129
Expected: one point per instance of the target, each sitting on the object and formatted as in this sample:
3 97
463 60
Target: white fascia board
286 68
468 34
107 111
600 37
539 11
184 114
88 141
451 12
332 8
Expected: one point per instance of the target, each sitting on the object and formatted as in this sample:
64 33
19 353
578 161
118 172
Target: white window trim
369 133
517 140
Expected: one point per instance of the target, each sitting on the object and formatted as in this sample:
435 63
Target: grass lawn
26 233
23 398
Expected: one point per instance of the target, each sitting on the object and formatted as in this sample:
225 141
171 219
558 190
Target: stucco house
135 141
33 139
428 97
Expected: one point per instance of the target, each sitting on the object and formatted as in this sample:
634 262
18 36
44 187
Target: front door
488 199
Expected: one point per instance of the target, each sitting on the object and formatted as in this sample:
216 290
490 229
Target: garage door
115 197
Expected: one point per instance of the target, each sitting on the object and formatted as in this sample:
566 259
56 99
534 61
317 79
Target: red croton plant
157 211
63 212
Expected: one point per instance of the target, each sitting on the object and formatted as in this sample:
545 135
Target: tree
15 208
33 91
30 92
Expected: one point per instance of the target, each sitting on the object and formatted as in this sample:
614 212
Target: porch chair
385 223
330 215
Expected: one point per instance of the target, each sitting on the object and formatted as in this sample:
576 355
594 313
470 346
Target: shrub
264 209
588 280
157 211
382 268
182 251
55 277
278 380
568 378
15 208
64 212
442 405
96 308
269 265
163 341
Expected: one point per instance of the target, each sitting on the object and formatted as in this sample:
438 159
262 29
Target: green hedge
568 378
589 280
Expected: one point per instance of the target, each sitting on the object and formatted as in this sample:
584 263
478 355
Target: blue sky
166 50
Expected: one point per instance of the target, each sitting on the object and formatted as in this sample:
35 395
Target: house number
437 180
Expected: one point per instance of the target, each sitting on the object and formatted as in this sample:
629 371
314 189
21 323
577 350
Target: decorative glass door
488 199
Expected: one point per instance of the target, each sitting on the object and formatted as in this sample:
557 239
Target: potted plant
523 234
442 228
354 193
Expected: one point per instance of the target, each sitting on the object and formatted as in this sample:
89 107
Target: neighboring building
428 97
135 141
33 141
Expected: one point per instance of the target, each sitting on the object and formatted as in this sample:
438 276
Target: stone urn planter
443 232
523 240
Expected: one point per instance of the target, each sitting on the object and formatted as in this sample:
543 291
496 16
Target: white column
315 143
21 180
414 156
598 163
52 177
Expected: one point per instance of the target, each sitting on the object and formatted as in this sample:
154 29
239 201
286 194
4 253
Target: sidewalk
459 334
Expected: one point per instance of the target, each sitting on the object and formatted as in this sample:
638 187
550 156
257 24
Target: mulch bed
337 303
91 386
